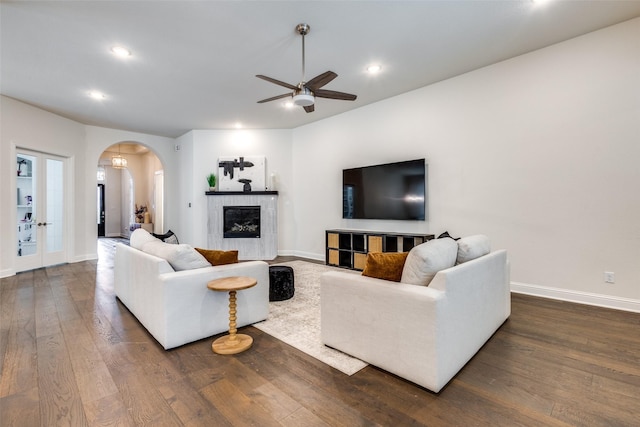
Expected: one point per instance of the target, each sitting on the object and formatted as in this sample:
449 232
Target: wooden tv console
349 248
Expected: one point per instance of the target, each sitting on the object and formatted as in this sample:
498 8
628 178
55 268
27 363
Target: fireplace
241 222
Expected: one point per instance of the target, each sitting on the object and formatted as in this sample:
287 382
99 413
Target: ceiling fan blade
318 81
332 94
278 82
309 108
273 98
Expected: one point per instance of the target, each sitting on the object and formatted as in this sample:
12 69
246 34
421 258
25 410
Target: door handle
43 224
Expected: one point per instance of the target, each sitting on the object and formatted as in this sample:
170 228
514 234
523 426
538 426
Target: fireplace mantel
264 247
241 193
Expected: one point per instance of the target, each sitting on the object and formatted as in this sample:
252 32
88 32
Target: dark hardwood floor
71 354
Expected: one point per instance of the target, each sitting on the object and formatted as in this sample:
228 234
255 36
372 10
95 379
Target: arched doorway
128 196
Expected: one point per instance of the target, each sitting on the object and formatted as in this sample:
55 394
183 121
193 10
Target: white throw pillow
472 247
425 260
140 237
181 257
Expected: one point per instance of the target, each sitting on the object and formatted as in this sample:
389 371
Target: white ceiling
194 62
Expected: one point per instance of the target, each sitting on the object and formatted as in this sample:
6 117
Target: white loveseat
175 306
424 334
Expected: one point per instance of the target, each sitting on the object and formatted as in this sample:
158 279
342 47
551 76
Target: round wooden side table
233 343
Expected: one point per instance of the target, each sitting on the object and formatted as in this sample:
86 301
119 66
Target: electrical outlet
609 277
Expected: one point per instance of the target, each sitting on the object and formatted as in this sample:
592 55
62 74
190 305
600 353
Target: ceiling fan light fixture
303 100
305 92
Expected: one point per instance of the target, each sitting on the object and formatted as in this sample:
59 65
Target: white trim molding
301 254
608 301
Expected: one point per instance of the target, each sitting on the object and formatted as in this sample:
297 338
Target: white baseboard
7 272
85 257
608 301
301 254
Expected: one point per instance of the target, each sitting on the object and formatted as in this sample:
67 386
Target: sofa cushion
217 257
180 256
385 265
426 259
472 247
140 237
168 237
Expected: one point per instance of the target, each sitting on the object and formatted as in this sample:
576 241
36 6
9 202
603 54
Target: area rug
296 321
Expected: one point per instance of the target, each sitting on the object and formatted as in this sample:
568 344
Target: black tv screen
388 191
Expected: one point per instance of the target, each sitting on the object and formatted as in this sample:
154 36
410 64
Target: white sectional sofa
424 334
175 306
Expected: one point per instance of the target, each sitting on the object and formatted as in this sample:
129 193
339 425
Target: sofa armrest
146 265
478 301
191 311
390 325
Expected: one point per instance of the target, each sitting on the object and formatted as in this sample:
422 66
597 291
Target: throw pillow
385 265
180 256
140 237
425 260
472 247
446 234
168 237
217 257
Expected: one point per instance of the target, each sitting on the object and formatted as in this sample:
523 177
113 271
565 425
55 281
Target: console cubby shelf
349 248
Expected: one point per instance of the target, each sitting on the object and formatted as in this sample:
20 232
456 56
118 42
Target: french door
40 207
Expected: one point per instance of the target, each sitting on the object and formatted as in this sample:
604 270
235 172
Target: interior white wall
206 146
113 202
539 152
183 228
29 127
151 164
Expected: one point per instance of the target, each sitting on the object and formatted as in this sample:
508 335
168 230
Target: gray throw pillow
425 260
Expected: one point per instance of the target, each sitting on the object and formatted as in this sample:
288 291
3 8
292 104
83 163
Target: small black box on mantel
281 286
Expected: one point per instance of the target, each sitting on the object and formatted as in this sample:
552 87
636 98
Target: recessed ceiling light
374 68
97 95
120 51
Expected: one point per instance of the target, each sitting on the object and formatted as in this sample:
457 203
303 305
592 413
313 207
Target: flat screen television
388 191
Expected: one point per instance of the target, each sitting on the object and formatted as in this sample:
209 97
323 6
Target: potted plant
211 179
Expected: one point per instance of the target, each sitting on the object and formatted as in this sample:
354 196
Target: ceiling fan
304 93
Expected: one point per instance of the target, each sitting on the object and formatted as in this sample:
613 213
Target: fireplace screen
241 221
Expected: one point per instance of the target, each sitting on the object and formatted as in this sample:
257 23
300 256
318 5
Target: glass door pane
26 204
55 208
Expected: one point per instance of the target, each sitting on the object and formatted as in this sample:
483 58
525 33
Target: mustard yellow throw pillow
216 257
385 265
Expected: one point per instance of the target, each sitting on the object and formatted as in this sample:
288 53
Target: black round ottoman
280 282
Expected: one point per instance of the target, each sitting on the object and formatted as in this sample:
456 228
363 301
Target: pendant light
118 162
